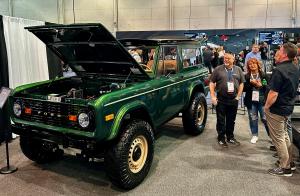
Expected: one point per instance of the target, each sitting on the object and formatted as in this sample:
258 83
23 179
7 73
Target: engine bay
74 88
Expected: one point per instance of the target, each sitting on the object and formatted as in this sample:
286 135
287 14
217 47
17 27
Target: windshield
145 56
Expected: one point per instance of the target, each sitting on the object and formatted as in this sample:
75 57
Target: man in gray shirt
227 81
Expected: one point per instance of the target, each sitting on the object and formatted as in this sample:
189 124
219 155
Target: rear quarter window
191 57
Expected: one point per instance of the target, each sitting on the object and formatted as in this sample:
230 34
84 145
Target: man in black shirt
264 51
280 104
264 54
207 57
227 81
245 52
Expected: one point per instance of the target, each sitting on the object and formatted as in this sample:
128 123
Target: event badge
230 87
255 95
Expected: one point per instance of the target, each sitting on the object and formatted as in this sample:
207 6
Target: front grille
51 113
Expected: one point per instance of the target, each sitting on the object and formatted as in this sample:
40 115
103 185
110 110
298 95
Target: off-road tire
194 117
40 151
117 160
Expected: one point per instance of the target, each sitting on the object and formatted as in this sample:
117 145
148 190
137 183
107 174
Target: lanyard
257 76
229 73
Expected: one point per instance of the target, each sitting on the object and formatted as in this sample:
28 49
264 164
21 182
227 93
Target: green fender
200 86
120 115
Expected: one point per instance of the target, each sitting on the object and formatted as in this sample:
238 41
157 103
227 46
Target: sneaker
292 165
233 141
272 148
254 139
275 155
223 143
278 171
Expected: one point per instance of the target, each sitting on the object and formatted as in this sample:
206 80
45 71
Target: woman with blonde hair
255 88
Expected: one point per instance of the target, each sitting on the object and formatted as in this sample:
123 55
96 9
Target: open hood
89 48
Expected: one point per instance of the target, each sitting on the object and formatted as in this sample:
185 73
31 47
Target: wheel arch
135 110
195 87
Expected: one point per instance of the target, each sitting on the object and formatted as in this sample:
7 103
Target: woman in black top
255 88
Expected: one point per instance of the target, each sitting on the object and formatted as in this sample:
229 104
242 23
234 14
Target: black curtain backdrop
3 58
4 81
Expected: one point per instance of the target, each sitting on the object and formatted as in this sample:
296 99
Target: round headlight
83 120
17 109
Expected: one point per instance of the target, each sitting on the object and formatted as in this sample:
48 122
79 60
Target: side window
199 56
167 62
191 57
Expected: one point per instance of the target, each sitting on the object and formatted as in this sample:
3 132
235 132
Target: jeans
226 115
256 108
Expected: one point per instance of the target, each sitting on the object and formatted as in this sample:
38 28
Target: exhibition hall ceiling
146 15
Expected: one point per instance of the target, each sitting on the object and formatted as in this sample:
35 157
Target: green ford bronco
120 93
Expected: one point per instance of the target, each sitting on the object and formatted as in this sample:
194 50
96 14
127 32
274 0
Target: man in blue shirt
253 54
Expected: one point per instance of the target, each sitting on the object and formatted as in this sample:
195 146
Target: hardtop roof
156 42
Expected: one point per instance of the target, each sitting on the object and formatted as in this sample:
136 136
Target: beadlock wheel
128 161
137 154
201 114
195 115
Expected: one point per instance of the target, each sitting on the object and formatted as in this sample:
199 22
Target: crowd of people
272 98
213 56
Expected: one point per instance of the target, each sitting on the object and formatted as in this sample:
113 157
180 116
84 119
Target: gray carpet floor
183 165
